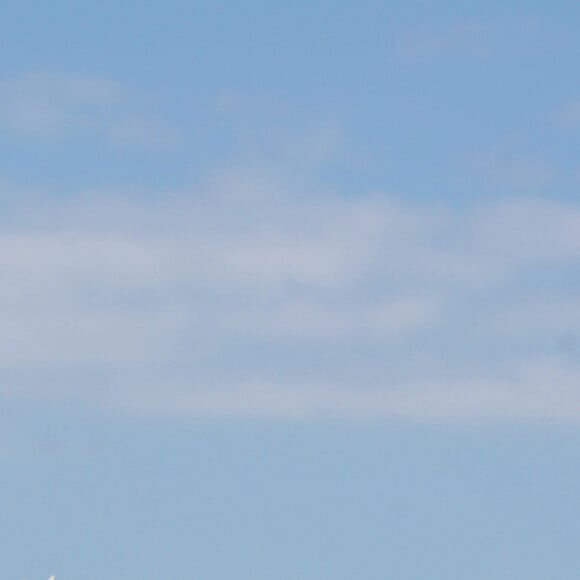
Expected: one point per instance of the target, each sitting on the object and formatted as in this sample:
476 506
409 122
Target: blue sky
289 290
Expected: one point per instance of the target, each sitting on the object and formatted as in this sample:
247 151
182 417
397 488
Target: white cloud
524 233
56 106
247 300
536 391
550 317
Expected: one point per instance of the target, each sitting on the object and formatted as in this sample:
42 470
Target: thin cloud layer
246 299
51 106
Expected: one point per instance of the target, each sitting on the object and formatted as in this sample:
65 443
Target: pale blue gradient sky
289 291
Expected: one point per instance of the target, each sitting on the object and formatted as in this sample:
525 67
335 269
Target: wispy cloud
468 37
535 392
568 115
58 106
247 299
448 38
516 170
